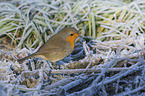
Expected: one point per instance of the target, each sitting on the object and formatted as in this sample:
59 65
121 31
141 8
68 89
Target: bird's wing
52 43
49 51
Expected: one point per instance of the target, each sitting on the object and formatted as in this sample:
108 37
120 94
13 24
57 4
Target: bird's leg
55 65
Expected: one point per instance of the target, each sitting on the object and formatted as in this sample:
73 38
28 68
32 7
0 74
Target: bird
57 47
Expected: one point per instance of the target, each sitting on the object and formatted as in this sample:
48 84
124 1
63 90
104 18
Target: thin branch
70 71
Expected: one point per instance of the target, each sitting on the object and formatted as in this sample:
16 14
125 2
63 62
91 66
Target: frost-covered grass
113 63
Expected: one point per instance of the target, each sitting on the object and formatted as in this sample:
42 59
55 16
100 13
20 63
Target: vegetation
108 61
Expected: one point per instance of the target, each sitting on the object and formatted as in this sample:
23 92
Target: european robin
57 47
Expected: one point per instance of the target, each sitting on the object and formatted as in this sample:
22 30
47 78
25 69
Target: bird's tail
23 59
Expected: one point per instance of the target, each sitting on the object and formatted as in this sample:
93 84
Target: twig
132 91
109 80
70 71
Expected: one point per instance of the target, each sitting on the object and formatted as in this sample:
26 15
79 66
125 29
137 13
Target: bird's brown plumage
57 47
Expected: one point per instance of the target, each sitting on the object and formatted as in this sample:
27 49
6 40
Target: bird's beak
76 34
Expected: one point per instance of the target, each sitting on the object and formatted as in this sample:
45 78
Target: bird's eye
71 34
